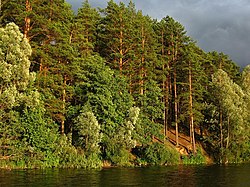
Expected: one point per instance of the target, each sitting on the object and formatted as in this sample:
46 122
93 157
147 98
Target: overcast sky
220 25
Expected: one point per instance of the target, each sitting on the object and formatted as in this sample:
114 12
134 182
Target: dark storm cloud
223 26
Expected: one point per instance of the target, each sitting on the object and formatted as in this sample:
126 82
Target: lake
232 175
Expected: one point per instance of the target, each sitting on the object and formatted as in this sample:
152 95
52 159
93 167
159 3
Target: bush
69 156
93 161
160 154
198 158
118 155
88 132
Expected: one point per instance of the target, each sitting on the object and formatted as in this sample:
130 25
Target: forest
114 87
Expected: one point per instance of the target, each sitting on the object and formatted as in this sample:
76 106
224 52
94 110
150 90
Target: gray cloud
223 26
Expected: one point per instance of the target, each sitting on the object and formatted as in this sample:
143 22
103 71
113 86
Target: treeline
107 86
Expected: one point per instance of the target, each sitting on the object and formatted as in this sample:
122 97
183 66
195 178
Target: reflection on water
152 176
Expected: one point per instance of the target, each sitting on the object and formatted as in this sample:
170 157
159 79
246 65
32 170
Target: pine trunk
176 109
121 46
169 91
27 19
191 115
63 105
51 10
142 69
165 88
166 109
175 51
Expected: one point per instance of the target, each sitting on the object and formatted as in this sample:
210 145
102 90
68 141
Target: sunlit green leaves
88 132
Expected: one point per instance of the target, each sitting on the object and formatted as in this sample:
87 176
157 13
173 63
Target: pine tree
172 38
162 71
117 24
85 32
192 91
222 61
145 56
55 56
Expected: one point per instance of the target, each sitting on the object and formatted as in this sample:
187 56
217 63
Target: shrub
198 158
160 154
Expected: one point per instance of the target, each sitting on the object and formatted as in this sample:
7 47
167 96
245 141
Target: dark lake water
233 175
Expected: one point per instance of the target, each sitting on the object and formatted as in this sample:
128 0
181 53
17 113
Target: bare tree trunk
142 69
191 115
228 132
63 104
27 19
121 47
175 51
176 109
221 120
166 103
169 92
221 130
51 10
164 90
130 83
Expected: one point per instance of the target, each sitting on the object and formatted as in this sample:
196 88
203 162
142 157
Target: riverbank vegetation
114 87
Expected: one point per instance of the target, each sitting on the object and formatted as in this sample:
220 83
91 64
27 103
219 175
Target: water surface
233 175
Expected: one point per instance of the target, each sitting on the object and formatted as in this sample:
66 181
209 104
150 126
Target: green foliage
131 128
198 158
151 109
118 148
160 154
119 156
233 116
39 136
29 136
222 61
69 156
46 25
88 132
14 66
85 29
37 131
97 88
117 24
16 92
93 88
